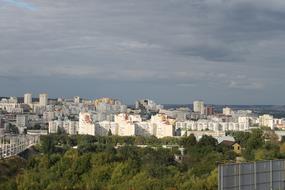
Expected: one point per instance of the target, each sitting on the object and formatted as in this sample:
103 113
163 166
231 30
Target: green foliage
188 141
109 132
87 162
10 168
198 183
254 146
208 141
255 140
240 137
47 144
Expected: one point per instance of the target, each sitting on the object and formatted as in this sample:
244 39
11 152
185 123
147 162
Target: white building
233 126
13 99
53 127
28 98
147 104
132 125
162 125
127 129
86 124
43 99
21 120
21 123
266 120
244 123
198 107
143 129
71 127
126 124
108 105
227 111
67 126
11 105
103 128
179 114
48 115
199 134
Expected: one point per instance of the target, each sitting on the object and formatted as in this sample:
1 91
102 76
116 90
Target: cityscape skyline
142 94
128 101
171 51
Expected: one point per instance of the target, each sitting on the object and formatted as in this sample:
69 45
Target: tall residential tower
198 106
43 99
28 98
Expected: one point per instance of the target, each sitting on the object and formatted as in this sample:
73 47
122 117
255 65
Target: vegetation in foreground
91 163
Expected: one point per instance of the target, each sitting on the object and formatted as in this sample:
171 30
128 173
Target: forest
121 163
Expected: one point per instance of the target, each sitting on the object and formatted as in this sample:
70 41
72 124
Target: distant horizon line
166 104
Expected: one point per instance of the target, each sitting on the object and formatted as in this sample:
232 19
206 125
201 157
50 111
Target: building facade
43 99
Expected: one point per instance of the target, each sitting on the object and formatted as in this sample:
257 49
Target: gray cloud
197 47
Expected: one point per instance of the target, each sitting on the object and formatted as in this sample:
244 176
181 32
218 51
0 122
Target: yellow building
236 148
104 100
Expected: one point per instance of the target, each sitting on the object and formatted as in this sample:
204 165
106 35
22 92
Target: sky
171 51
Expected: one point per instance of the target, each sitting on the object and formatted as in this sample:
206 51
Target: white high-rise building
28 98
126 124
244 123
103 128
198 106
67 126
43 99
162 126
73 127
266 120
54 126
86 124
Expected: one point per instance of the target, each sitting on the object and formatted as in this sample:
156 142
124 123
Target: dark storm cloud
219 50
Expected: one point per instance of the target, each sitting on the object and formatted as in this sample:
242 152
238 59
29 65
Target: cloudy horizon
172 51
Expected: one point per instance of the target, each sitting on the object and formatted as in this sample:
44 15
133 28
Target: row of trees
96 164
260 144
87 162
